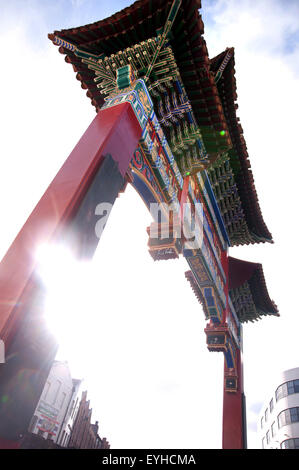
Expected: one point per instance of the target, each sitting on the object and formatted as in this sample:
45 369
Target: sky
134 329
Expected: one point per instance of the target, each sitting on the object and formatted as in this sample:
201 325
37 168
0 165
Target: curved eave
240 272
239 158
138 22
260 293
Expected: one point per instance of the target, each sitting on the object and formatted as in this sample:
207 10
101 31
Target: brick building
84 434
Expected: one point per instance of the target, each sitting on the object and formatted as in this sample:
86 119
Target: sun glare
70 292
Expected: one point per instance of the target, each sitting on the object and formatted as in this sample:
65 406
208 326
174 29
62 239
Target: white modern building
278 424
56 405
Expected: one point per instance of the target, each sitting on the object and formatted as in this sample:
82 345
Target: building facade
55 405
84 434
66 428
278 424
61 416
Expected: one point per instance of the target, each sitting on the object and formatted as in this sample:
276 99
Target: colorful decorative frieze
213 305
206 257
210 282
203 183
140 166
139 98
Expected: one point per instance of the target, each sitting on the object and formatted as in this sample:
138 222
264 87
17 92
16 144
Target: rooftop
209 85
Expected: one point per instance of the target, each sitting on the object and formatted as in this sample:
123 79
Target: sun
70 293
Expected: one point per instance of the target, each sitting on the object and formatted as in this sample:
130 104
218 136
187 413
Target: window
74 409
273 429
281 392
263 442
282 420
63 395
57 385
290 386
268 437
71 408
266 414
287 388
294 413
288 416
271 405
262 422
290 444
293 387
46 390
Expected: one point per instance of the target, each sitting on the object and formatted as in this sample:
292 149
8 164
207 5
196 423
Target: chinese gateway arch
166 123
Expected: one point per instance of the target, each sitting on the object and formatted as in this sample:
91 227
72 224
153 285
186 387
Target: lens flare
70 292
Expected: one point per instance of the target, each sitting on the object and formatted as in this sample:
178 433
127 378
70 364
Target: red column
234 422
99 160
233 428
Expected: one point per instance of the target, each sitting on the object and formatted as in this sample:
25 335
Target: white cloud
266 24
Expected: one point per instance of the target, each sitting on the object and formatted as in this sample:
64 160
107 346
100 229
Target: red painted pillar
93 173
234 414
